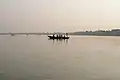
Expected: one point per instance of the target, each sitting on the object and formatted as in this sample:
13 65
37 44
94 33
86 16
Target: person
61 35
53 35
57 36
66 34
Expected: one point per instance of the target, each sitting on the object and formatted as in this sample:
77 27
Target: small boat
58 37
52 37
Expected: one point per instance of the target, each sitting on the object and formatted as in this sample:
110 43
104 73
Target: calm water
80 58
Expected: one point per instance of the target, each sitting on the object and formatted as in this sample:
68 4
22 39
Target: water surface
80 58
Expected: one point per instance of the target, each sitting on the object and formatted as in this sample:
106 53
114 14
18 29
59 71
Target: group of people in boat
60 35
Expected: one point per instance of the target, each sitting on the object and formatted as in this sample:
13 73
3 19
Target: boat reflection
59 40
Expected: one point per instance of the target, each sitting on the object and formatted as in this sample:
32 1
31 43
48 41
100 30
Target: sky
58 15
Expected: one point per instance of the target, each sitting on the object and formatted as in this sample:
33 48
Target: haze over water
58 15
80 58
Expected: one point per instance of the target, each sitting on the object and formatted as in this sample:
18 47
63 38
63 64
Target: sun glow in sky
58 15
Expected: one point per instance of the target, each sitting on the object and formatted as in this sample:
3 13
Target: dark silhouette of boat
53 37
59 36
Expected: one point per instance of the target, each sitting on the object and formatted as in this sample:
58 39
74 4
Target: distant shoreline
113 32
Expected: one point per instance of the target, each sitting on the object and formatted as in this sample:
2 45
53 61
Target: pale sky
58 15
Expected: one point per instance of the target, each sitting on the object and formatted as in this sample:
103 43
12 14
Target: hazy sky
58 15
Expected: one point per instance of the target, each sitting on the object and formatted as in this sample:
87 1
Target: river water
79 58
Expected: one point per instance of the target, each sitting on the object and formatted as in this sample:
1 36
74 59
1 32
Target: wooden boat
58 37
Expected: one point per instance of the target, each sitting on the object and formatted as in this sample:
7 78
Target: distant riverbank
113 32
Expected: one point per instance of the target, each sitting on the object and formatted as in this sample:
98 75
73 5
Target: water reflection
59 40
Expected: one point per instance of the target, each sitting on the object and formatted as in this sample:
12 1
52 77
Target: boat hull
51 37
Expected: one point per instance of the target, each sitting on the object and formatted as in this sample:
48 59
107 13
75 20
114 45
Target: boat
58 37
52 37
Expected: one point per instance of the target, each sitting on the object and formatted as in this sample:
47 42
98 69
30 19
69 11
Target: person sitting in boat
57 35
53 35
60 35
66 34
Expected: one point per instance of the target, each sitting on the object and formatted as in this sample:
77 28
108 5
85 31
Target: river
79 58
